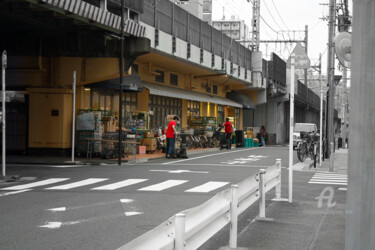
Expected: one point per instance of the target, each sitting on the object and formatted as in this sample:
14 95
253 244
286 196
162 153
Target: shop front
146 113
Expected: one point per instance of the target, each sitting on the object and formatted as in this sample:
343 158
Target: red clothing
170 131
228 127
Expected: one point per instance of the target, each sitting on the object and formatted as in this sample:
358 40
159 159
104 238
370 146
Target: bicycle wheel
302 151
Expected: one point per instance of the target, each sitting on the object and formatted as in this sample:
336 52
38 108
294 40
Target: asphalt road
104 207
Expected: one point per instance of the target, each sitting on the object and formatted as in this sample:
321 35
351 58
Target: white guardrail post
233 217
278 186
180 232
262 194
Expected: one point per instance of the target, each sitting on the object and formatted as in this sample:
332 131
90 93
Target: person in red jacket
171 137
228 133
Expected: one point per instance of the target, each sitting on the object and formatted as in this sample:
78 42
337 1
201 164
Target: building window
237 118
214 89
193 108
174 79
160 76
161 107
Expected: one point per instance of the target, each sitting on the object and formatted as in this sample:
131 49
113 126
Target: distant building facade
235 29
194 7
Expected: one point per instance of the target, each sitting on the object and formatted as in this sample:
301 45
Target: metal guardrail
191 228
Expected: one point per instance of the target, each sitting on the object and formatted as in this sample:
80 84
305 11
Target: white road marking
163 185
15 192
180 171
120 184
68 166
52 225
57 209
327 183
332 175
343 189
232 163
207 187
36 184
246 159
132 213
78 184
58 224
204 156
330 178
126 200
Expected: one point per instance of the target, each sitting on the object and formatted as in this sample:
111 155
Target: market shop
146 111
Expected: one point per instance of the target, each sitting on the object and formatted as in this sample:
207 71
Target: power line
265 21
265 4
279 15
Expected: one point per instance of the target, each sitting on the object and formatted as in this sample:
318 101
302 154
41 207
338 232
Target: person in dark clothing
263 135
228 132
171 137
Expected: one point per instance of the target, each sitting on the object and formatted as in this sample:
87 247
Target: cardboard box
147 134
150 143
141 150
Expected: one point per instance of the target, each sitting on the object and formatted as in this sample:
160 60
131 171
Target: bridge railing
191 228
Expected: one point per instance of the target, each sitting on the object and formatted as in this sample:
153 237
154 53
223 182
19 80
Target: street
104 207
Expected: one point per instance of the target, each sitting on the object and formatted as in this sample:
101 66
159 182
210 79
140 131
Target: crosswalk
91 183
328 178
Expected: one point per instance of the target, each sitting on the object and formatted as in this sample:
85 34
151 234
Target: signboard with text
302 61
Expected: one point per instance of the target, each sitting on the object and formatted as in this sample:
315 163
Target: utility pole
360 202
121 82
256 25
305 70
330 77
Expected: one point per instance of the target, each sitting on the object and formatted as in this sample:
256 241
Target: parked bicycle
308 147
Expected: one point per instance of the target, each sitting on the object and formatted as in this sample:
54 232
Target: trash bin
339 143
240 139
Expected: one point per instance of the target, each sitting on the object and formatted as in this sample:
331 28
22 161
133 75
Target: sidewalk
301 224
50 160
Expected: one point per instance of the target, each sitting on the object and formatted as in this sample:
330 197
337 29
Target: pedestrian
228 132
263 135
171 137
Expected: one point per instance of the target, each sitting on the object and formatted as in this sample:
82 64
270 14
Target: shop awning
160 90
131 83
246 101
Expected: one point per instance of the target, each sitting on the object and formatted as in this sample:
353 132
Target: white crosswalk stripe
207 187
78 184
163 185
36 184
329 179
120 184
157 187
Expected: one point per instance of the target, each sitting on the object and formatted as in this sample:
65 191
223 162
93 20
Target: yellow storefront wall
50 122
53 92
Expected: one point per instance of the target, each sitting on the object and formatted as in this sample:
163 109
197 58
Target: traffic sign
302 61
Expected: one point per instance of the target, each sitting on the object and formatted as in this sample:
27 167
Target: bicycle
308 147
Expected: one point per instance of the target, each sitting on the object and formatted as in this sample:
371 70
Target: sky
284 15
